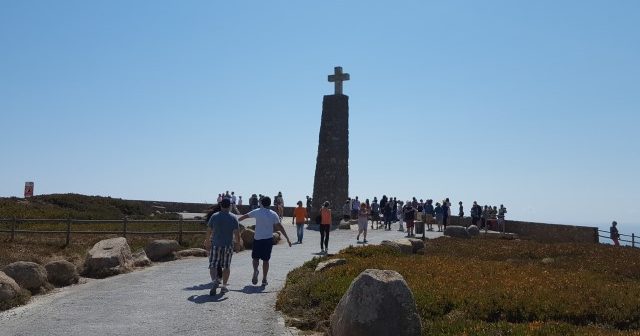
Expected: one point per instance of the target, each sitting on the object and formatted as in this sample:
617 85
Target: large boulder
417 244
391 244
62 273
9 288
456 231
108 257
473 230
162 250
330 263
378 302
140 259
192 252
28 275
247 238
276 238
344 225
405 245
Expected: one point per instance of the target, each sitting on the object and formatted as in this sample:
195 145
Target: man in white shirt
266 222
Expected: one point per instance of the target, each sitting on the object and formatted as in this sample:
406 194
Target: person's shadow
252 290
200 287
200 299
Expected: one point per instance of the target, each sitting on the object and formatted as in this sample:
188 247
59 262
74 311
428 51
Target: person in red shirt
299 216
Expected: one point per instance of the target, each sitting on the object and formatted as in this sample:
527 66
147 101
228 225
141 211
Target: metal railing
123 224
632 242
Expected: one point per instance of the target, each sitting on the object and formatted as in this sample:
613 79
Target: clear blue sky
534 104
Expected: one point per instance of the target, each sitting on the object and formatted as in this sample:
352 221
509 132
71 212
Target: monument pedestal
331 182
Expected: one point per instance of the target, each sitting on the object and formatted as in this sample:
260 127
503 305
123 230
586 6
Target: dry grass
491 287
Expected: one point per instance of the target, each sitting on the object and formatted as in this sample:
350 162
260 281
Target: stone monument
331 182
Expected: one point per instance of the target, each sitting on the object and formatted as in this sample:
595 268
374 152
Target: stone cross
338 77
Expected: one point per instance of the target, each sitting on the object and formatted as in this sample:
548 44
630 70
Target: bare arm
280 228
208 238
243 217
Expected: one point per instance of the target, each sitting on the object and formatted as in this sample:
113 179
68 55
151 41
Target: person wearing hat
613 232
222 228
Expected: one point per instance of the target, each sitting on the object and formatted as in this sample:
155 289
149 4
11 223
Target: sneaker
264 283
224 290
254 280
365 241
212 292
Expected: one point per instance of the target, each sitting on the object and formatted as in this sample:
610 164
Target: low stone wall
543 232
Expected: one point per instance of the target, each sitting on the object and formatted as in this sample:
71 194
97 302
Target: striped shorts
220 256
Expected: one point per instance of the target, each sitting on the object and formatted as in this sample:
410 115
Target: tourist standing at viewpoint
363 219
325 227
428 214
234 200
501 213
309 207
409 216
475 213
267 221
299 216
222 229
355 208
279 202
400 215
460 210
375 213
439 215
346 210
446 212
388 214
614 234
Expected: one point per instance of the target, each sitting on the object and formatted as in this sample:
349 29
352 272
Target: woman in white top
363 219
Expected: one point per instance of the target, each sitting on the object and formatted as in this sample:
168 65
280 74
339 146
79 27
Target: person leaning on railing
614 234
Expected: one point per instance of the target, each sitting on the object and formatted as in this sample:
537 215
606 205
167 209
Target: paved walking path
173 298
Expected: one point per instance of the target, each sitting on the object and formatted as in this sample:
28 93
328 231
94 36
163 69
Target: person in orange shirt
325 227
299 217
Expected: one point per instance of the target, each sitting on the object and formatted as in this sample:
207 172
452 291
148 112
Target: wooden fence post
180 231
14 223
125 221
633 240
68 231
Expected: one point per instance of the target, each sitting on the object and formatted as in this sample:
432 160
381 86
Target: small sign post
28 189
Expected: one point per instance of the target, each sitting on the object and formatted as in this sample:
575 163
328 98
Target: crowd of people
223 226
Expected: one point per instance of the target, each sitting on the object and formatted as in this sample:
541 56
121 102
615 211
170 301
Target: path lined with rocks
172 298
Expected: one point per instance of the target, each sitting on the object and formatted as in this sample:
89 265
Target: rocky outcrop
247 238
28 275
417 244
456 231
140 259
108 257
378 302
162 250
330 263
62 273
277 236
473 230
9 288
192 252
393 245
405 246
344 226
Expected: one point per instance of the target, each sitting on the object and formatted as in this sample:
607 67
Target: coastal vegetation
488 287
41 248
